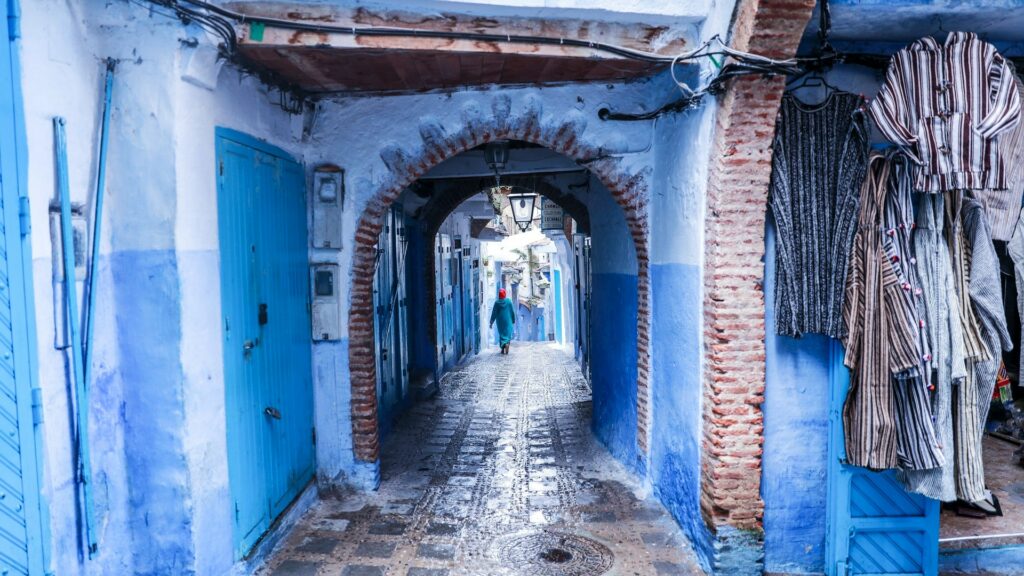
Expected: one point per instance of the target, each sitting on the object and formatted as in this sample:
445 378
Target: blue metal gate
22 518
875 527
266 330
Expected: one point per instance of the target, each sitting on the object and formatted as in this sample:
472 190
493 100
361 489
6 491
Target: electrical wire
221 21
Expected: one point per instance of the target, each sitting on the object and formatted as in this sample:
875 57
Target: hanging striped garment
945 333
818 162
917 447
945 104
1002 207
882 344
975 348
971 398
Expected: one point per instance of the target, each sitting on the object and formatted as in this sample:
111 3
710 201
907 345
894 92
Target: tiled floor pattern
499 475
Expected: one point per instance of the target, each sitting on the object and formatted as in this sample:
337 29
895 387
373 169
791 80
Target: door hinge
13 20
220 169
37 406
314 435
24 217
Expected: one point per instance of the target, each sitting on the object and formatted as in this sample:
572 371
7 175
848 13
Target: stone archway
406 164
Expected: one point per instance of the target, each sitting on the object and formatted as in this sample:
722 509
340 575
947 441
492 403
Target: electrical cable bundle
735 63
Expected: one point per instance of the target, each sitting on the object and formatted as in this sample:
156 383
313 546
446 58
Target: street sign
552 217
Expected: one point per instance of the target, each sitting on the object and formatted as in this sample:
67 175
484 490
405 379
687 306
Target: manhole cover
553 554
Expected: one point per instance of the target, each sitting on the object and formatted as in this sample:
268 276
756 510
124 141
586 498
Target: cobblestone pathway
499 475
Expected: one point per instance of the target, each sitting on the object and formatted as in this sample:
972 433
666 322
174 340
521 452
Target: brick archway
567 136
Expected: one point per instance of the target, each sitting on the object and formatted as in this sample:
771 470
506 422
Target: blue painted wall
794 464
153 410
676 397
613 372
677 248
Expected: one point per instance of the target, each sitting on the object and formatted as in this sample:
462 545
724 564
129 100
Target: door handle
272 412
250 344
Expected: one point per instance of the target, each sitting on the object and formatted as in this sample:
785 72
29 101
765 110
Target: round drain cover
554 554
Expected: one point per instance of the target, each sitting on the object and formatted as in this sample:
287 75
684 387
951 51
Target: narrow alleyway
498 475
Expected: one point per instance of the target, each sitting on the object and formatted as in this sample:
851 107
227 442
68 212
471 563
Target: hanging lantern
522 209
496 155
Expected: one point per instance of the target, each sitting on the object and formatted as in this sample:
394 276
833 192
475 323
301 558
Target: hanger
811 79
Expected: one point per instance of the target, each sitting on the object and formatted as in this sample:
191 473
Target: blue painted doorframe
875 527
266 330
23 526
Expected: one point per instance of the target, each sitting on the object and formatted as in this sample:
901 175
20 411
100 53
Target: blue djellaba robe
503 313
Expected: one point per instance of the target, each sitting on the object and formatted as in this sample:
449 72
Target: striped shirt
917 447
1002 207
882 343
945 105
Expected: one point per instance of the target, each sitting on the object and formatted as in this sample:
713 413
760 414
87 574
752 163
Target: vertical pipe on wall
97 220
88 320
71 300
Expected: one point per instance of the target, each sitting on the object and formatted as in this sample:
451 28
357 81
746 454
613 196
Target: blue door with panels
875 527
22 516
391 347
266 330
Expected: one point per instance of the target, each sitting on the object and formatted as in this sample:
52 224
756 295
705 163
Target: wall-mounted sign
552 217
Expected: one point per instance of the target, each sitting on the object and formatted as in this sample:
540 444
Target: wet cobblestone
497 476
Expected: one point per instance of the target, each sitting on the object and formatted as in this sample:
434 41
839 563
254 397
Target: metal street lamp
522 209
496 155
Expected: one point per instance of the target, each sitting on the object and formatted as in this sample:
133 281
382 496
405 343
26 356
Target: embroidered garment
819 157
945 104
882 342
1003 206
916 446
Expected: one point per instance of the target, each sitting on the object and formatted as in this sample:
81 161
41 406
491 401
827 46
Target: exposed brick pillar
734 328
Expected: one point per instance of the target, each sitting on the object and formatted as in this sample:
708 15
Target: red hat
501 293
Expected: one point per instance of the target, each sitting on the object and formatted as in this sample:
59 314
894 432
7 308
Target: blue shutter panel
22 530
875 527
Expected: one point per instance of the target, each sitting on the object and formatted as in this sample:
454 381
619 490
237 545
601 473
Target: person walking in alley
504 314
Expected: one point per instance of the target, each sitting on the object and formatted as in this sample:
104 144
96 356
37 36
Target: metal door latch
250 344
272 412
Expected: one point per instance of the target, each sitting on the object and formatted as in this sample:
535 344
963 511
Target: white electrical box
328 200
326 311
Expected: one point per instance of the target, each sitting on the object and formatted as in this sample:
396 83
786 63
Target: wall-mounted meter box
326 310
328 200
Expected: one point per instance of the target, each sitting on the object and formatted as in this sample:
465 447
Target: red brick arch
406 165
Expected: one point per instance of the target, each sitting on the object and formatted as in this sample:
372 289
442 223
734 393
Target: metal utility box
326 311
328 200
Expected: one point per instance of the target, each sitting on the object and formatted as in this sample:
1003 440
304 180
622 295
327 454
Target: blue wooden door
438 306
401 329
875 527
266 331
477 294
22 519
557 275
